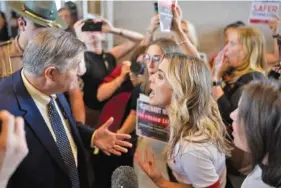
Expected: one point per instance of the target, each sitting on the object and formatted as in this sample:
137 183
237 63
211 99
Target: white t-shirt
199 164
254 180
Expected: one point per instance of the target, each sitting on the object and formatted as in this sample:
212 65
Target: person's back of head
50 47
259 116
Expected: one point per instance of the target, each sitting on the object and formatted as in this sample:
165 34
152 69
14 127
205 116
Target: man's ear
50 73
21 24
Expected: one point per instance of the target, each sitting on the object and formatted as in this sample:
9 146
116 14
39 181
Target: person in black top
244 55
100 63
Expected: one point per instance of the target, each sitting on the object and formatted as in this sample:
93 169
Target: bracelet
276 35
217 83
182 42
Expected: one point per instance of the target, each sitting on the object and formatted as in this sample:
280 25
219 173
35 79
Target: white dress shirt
41 100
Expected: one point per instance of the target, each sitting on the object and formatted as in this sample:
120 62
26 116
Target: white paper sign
165 14
263 11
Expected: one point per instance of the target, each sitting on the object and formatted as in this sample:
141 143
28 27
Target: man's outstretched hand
110 142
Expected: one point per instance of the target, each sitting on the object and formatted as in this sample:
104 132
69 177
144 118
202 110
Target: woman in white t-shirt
257 130
197 146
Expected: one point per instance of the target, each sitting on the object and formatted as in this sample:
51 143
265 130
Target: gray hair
51 46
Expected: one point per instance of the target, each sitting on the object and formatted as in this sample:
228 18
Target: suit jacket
43 167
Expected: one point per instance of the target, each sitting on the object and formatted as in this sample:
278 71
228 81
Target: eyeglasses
155 58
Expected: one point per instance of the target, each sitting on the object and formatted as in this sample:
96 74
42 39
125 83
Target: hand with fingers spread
274 24
13 146
110 142
148 165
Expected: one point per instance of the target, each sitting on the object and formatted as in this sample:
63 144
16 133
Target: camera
89 25
137 67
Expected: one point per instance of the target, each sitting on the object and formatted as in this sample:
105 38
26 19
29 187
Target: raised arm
122 49
183 41
154 23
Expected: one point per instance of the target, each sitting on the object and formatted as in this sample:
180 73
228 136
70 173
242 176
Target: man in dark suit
57 158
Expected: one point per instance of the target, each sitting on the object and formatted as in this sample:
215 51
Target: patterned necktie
63 143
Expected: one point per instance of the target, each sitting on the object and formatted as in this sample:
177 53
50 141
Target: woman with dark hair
4 35
257 129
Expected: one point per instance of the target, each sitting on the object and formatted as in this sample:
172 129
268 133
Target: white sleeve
198 168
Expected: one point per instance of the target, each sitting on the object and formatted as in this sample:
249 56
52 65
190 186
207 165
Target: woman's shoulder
203 149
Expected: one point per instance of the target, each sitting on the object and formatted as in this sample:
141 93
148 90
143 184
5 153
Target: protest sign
152 121
264 11
165 14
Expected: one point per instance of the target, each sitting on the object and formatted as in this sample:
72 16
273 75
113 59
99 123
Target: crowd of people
68 107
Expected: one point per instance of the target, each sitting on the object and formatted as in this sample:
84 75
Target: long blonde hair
252 42
193 112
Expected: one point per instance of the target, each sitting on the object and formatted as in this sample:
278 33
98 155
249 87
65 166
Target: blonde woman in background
244 54
197 146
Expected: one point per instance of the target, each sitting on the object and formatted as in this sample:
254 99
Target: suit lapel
35 120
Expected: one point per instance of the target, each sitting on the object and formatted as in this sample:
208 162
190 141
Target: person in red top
116 90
